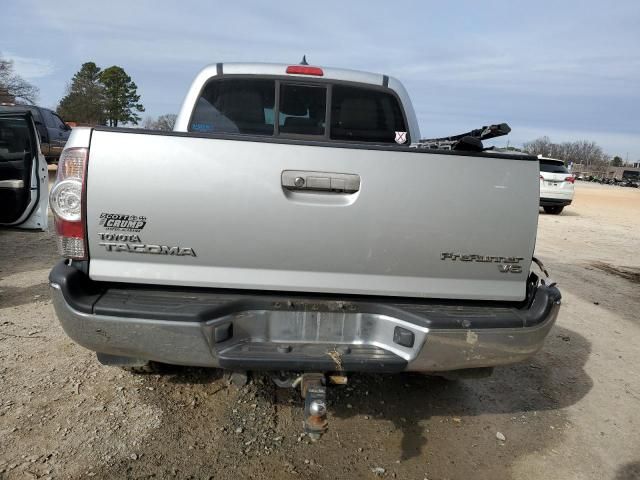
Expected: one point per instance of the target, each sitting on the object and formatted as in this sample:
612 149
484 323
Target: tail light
305 70
541 177
570 179
66 201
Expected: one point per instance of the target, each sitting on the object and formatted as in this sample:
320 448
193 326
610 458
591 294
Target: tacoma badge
143 248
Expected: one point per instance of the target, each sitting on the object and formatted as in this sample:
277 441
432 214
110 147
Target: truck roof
20 107
329 73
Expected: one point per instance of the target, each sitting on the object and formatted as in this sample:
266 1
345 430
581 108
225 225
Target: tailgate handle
305 181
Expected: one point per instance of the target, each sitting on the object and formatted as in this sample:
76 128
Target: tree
617 161
122 99
149 123
164 122
539 146
585 152
85 98
14 88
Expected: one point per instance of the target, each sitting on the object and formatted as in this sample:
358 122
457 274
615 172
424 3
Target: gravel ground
571 412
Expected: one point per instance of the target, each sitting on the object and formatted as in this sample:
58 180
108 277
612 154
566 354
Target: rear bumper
283 331
555 202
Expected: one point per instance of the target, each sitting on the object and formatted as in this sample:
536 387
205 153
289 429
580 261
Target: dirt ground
571 412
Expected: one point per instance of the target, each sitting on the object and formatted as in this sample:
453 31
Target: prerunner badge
126 223
401 137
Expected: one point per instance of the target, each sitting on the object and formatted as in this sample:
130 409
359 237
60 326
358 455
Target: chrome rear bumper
262 330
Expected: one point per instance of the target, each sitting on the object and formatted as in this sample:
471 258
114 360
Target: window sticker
401 137
201 127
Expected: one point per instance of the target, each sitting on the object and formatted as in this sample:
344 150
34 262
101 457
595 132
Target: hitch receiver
314 392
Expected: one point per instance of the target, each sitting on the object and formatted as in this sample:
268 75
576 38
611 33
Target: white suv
556 185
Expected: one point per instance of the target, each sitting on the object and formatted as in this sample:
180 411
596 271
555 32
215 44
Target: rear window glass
248 106
552 167
363 115
302 109
235 106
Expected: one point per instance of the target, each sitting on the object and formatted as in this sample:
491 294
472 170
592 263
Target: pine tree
85 98
122 99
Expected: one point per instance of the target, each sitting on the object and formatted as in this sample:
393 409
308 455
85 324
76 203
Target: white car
556 185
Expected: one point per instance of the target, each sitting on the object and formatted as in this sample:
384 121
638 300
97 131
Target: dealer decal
126 223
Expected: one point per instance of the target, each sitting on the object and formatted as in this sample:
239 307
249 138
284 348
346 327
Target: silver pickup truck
292 223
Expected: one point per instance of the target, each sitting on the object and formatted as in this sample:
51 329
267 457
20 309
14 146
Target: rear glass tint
363 115
552 167
247 106
302 109
235 106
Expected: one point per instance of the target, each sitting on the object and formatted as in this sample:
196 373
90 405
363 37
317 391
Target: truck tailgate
178 209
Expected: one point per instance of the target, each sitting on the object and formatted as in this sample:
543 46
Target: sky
566 69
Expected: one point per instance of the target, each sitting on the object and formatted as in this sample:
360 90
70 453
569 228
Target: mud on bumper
251 330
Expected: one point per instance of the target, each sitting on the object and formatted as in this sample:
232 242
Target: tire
553 210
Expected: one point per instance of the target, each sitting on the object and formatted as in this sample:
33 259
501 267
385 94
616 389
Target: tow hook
314 391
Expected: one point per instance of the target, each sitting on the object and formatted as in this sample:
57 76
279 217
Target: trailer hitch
314 391
313 388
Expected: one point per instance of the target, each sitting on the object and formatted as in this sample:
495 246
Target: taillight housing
570 179
67 203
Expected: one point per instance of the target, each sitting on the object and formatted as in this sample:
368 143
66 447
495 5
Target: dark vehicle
630 178
52 130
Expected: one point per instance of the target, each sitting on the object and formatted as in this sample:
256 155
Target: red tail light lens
66 200
541 177
570 179
304 70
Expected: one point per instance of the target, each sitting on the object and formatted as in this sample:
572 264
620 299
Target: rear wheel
553 210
